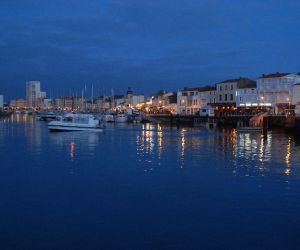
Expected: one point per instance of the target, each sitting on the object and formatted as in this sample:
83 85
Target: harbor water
143 186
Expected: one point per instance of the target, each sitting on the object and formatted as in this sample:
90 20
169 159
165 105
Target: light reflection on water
166 178
247 153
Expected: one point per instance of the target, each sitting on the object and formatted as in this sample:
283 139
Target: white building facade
247 97
227 91
137 99
276 90
191 100
296 98
33 92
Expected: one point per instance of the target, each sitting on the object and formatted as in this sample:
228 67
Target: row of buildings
37 99
34 97
277 92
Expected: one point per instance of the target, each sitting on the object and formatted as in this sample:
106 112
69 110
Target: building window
226 87
225 97
221 88
231 87
220 97
231 97
192 93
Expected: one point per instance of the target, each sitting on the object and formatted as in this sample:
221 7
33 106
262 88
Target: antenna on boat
112 98
81 100
92 96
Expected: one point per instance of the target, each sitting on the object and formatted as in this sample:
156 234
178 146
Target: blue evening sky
148 45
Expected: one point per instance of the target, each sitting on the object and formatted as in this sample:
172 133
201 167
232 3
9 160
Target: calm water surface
147 187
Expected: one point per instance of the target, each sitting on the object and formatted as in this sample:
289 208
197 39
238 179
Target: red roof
274 75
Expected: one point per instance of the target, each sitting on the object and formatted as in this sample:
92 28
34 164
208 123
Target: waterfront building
169 102
1 101
226 91
191 100
103 103
33 93
18 104
212 95
48 103
156 99
276 90
247 97
119 100
131 99
161 102
128 100
296 98
137 99
70 103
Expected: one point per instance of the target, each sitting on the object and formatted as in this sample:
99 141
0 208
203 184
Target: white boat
46 117
109 118
76 122
121 118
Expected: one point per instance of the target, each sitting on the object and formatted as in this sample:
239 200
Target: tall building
1 101
33 93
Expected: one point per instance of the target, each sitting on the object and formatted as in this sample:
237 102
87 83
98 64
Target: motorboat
49 116
76 122
109 118
121 118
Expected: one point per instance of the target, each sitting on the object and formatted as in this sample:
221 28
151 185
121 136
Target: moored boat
76 122
49 116
121 118
109 118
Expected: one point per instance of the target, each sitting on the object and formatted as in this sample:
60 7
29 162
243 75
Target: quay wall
223 121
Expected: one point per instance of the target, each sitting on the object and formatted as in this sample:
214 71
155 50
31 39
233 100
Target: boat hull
72 129
121 119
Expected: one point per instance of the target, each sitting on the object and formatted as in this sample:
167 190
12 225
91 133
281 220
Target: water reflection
287 158
72 147
85 142
155 146
182 147
248 154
